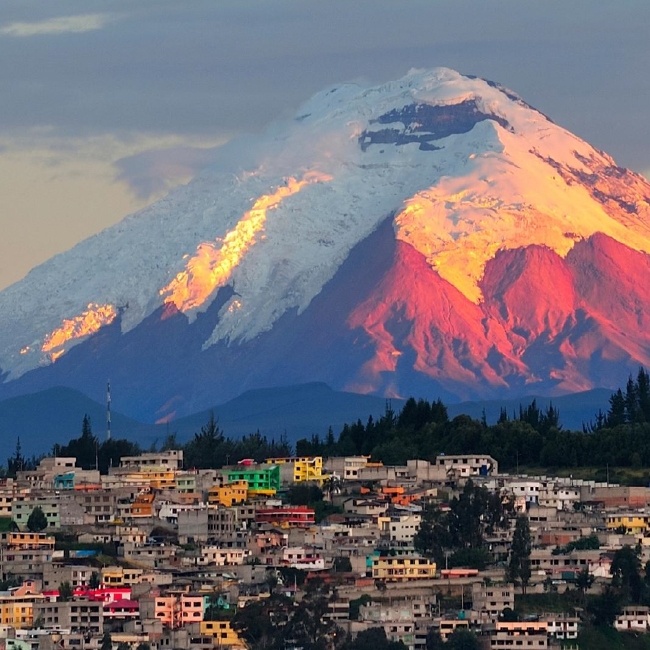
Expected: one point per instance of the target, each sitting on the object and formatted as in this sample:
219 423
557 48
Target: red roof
131 605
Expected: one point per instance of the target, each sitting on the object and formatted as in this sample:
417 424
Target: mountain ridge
295 411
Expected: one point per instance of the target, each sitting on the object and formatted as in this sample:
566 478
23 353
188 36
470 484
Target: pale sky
107 105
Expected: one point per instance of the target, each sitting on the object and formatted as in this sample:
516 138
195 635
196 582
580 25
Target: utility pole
108 410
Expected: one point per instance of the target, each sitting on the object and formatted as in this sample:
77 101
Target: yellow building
305 468
634 522
402 569
117 576
228 495
18 611
223 634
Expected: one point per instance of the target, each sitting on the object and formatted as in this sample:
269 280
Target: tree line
620 437
533 436
209 448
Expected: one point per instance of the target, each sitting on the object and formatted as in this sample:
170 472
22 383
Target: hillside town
157 555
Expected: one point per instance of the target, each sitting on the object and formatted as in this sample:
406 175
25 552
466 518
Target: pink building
175 610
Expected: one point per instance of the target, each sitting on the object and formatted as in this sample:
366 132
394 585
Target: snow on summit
465 168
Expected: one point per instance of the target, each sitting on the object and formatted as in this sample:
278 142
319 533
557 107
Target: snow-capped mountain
432 235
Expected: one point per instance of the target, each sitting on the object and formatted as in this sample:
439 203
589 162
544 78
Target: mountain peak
465 171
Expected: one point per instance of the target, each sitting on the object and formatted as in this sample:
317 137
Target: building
449 625
634 523
286 516
171 460
177 609
298 557
299 469
117 576
463 466
489 601
76 575
634 618
23 505
348 467
401 529
562 626
402 569
261 481
223 635
18 611
527 635
228 495
121 610
76 615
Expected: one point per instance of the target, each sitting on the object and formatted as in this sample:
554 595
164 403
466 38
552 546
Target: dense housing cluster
301 552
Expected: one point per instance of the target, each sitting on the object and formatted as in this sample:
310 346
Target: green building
262 481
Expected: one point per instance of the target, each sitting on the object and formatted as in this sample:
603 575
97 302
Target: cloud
63 25
151 173
59 190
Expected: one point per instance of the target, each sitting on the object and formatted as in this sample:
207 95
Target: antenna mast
108 410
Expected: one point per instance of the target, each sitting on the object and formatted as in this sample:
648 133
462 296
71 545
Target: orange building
228 495
143 505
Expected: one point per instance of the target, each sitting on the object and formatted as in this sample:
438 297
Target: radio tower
108 410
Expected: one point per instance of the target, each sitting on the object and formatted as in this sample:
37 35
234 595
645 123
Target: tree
65 591
519 566
37 520
508 615
17 462
462 640
95 581
625 573
357 604
304 494
342 564
434 640
207 449
85 448
433 537
123 646
170 443
374 638
605 608
143 646
254 623
584 580
107 642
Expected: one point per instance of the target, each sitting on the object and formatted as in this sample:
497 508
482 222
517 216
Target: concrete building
633 618
489 601
401 529
464 466
531 635
76 615
76 575
171 460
